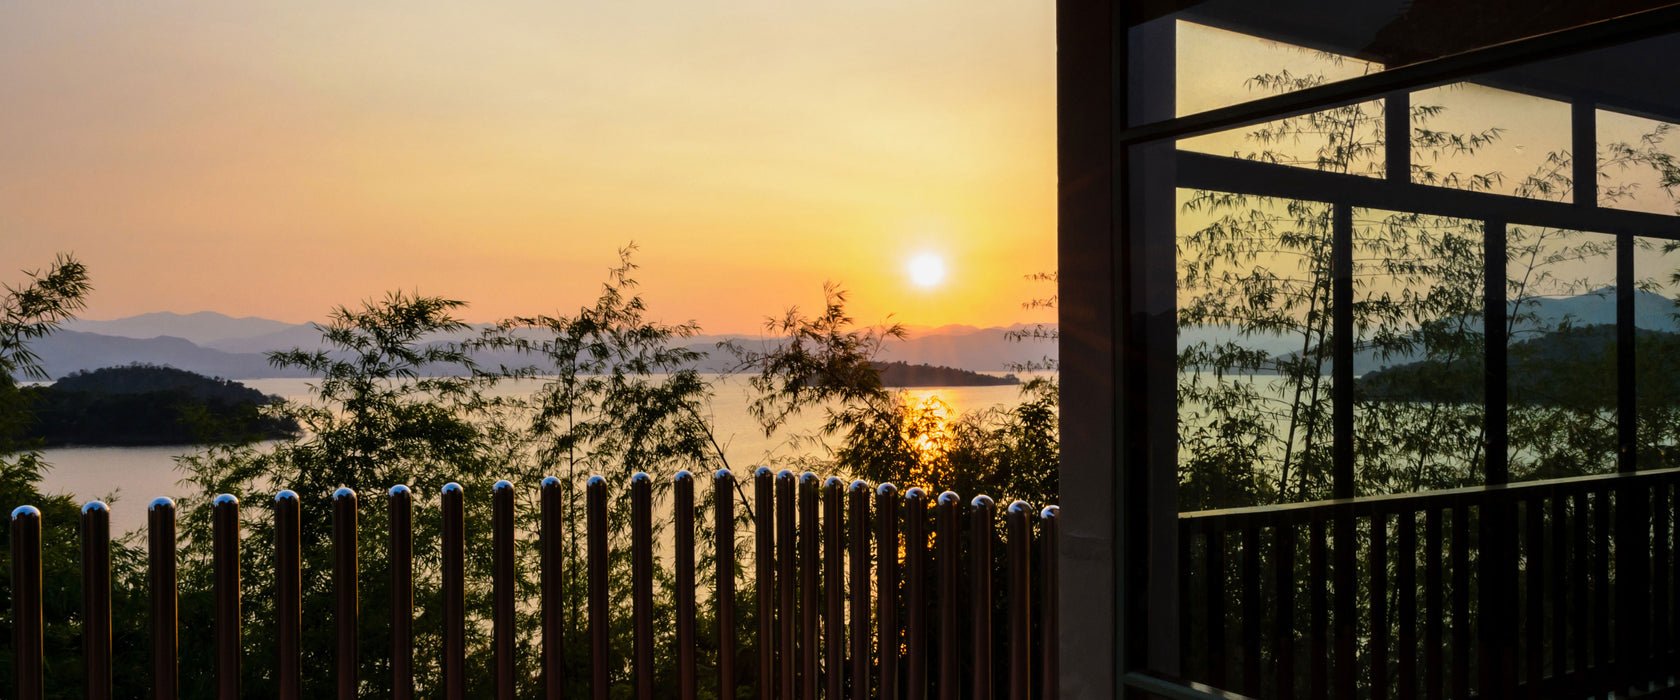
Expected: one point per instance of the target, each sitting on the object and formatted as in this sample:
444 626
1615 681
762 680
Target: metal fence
848 644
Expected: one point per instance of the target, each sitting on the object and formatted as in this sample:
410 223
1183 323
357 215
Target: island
906 375
143 404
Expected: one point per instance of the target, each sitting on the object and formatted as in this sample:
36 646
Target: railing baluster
400 503
1251 610
723 484
810 532
886 587
1461 575
1379 607
915 609
96 598
764 550
787 669
683 511
553 549
346 590
160 530
288 574
857 498
834 642
1319 676
1580 564
1535 582
1433 607
980 582
641 580
1659 580
1019 527
946 521
1405 590
1213 587
224 515
454 593
1346 619
1559 575
503 583
1049 629
1603 661
28 645
1283 581
596 496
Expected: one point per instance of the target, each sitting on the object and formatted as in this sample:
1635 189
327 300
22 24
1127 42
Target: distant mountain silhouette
218 345
205 328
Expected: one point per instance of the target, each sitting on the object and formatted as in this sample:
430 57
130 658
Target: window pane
1418 357
1657 344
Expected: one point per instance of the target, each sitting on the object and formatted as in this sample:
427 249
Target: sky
279 159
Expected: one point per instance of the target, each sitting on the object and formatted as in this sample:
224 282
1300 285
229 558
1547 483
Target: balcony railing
850 642
1561 588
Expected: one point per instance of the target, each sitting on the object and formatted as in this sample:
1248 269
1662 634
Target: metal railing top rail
1386 504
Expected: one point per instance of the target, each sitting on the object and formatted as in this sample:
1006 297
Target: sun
927 270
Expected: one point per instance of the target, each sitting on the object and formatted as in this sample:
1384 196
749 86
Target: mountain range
217 345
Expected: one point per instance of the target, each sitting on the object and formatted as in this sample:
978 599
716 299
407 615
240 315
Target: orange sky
276 159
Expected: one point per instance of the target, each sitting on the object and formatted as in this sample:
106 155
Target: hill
903 374
149 405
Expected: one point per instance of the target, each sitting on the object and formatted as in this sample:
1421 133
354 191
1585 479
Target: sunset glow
927 270
278 159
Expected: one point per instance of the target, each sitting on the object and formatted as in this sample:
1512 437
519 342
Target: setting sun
927 270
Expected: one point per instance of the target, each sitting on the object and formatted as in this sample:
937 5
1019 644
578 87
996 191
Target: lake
136 475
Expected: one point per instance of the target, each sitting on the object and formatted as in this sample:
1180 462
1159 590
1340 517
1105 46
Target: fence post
915 632
886 587
401 505
596 495
225 545
683 506
1020 600
949 568
980 578
722 483
809 534
96 598
502 586
288 557
27 644
858 499
553 606
834 589
160 531
786 668
641 580
454 592
346 589
1050 520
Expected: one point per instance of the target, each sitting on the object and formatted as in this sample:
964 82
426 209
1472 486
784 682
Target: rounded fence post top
785 475
915 493
343 493
858 486
1020 508
398 490
886 489
982 501
161 502
454 488
503 485
683 476
598 481
26 512
764 472
808 478
723 475
550 482
95 507
834 482
286 495
949 498
1050 512
640 478
226 499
